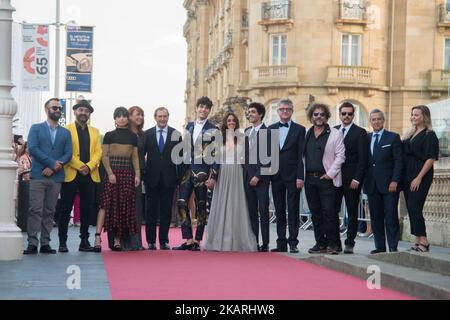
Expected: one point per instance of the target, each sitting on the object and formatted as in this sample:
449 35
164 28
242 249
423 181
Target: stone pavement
45 276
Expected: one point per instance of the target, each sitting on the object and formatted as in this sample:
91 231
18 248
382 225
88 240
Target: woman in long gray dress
229 227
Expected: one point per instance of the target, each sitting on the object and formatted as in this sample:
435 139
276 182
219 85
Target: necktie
286 125
343 132
161 141
375 145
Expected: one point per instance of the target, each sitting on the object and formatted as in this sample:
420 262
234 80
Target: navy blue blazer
254 169
291 155
44 154
387 164
203 166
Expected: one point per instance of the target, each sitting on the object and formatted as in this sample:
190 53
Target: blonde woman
421 150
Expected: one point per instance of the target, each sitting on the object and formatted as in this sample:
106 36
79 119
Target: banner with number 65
36 63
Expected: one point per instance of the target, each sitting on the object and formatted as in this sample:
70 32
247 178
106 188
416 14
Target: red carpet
172 275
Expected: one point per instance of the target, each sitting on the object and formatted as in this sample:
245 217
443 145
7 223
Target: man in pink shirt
324 155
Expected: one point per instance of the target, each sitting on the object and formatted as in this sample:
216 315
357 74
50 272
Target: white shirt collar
346 127
200 122
163 129
258 127
380 133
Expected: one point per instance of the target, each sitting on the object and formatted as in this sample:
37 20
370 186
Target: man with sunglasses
50 147
324 155
353 172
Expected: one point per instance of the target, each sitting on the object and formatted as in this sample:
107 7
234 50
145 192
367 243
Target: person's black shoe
333 250
47 249
279 249
377 251
264 248
184 246
348 249
317 249
151 246
196 246
164 246
30 250
63 248
85 246
293 249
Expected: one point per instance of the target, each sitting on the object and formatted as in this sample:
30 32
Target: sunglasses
54 108
346 113
317 114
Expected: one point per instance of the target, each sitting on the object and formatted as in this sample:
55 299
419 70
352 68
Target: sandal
98 247
414 248
422 248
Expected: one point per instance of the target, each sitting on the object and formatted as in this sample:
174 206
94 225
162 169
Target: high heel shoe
98 247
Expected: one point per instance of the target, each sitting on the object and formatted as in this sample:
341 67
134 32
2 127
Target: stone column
11 242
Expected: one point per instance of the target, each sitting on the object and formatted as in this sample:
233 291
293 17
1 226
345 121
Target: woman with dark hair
118 199
136 125
229 227
421 149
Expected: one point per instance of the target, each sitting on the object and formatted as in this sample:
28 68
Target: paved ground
45 276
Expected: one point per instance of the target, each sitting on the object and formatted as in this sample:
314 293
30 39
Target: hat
83 104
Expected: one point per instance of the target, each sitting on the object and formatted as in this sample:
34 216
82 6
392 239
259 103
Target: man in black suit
161 178
255 182
381 186
289 178
353 171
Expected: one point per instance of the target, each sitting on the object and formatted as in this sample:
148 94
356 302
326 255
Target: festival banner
36 63
79 58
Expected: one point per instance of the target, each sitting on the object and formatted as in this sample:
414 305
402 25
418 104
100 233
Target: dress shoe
30 250
377 251
47 249
63 248
85 246
293 249
264 248
348 249
196 246
184 246
333 250
317 249
151 246
279 249
164 246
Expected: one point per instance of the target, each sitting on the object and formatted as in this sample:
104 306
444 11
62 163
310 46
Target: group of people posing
331 163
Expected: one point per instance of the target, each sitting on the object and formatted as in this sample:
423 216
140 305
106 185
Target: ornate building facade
388 54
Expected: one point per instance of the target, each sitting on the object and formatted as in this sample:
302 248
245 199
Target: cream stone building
388 54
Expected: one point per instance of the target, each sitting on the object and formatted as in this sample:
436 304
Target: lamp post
11 241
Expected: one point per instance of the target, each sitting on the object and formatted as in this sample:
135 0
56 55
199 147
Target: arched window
361 118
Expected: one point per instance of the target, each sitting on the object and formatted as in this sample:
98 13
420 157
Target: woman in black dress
421 149
118 199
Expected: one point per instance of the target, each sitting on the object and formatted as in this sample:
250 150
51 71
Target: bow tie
284 125
200 123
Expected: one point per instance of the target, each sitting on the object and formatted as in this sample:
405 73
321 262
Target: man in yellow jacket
81 175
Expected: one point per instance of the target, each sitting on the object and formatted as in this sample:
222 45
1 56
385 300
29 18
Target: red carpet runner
173 275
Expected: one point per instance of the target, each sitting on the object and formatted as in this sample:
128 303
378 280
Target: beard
82 119
54 116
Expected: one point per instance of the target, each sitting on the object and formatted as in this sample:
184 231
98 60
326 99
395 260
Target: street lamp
11 241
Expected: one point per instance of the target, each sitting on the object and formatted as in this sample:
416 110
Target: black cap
83 104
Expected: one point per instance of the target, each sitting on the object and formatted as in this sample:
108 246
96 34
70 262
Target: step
411 281
430 262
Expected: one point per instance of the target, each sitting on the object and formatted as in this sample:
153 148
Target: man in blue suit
381 185
50 147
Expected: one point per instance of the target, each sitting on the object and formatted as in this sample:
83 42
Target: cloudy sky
139 53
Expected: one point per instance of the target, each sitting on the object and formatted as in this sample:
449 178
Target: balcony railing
440 79
275 74
276 10
351 75
352 10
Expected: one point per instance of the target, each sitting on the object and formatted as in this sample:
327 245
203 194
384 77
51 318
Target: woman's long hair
426 121
224 127
133 109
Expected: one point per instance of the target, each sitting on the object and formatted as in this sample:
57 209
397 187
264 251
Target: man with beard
81 175
50 147
324 155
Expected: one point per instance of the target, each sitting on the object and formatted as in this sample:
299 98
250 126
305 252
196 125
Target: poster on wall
35 56
79 59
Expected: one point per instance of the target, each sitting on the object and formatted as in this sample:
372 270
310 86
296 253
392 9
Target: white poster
36 64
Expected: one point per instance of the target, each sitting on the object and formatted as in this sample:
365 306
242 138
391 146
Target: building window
273 114
447 54
278 49
351 50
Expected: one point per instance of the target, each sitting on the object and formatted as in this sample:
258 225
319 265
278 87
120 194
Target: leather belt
315 174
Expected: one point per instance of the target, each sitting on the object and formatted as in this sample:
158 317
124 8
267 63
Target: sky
139 53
